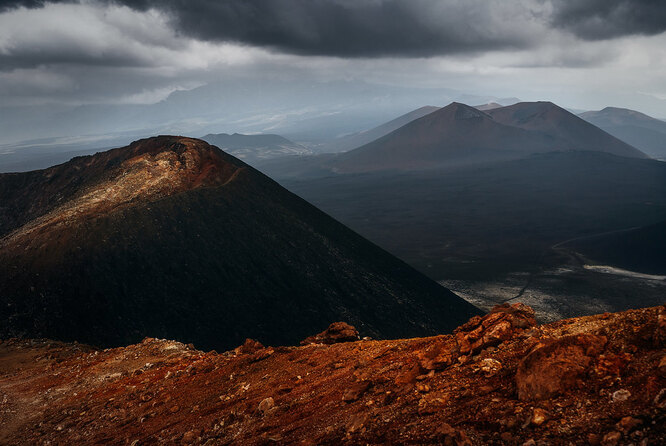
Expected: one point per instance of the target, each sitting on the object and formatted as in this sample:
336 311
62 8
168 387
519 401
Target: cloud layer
133 51
399 28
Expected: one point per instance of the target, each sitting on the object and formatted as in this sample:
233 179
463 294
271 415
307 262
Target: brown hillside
499 379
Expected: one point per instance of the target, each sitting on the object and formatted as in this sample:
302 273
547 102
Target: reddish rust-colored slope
147 170
499 379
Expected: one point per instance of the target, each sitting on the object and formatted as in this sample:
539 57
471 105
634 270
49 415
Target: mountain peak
146 170
182 162
460 111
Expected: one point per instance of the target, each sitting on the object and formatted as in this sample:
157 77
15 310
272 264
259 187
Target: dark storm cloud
346 28
404 28
604 19
11 4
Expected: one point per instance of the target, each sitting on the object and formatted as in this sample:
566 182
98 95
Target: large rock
501 324
557 366
336 332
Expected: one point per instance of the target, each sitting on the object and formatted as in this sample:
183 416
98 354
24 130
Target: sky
582 54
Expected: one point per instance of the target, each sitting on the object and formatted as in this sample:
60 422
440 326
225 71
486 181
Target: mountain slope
456 134
570 131
576 381
253 148
171 237
355 140
641 131
486 224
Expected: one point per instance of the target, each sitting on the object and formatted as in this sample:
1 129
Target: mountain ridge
635 128
459 134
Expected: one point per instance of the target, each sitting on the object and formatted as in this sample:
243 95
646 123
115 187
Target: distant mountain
569 132
171 237
460 135
355 140
455 134
252 148
488 106
641 131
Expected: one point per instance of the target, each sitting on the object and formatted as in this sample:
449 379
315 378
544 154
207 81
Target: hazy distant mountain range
474 196
635 128
458 135
253 148
297 110
359 139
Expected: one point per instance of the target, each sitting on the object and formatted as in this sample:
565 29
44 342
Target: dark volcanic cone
171 237
462 135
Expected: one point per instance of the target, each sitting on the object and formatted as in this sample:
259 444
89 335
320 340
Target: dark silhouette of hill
569 132
359 139
641 131
171 237
252 148
641 249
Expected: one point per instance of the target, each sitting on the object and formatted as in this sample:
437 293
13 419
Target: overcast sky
579 53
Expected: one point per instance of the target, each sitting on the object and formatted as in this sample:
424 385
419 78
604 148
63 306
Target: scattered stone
439 355
501 324
174 409
189 437
539 416
432 402
621 395
490 366
355 391
408 374
266 405
627 424
356 423
557 366
262 354
335 333
248 347
449 436
429 375
611 439
530 442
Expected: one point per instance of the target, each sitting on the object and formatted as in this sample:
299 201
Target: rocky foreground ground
499 379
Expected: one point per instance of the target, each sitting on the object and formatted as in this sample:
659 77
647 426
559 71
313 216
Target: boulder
249 346
551 369
336 332
501 324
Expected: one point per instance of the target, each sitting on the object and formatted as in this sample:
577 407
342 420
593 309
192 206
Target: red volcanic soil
93 186
499 379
